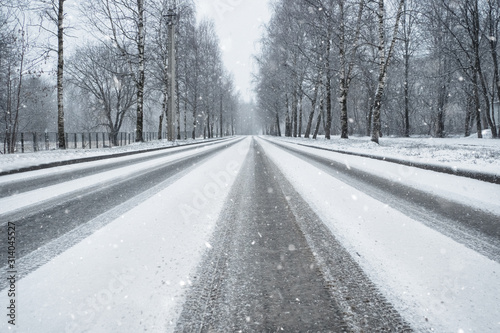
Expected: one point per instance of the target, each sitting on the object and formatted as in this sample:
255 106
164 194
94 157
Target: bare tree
384 59
53 10
17 61
102 76
123 22
347 48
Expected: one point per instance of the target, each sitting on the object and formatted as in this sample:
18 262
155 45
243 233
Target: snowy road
50 203
459 219
252 235
262 275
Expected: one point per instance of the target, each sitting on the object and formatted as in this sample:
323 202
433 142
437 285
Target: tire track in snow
50 221
266 272
475 228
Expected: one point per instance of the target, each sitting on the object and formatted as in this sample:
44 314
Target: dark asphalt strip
262 275
475 228
363 307
21 186
94 158
51 220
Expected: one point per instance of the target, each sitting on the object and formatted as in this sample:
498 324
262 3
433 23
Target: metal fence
33 142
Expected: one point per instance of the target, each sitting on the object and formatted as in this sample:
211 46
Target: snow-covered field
467 153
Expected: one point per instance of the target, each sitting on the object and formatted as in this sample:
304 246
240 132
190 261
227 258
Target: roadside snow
132 274
434 282
461 189
16 161
467 153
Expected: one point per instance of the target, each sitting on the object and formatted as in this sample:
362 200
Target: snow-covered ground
433 281
16 161
466 153
130 275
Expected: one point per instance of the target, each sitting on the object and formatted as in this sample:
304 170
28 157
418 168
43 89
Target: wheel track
360 304
347 282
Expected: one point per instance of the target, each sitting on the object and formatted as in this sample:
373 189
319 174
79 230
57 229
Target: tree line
118 78
375 67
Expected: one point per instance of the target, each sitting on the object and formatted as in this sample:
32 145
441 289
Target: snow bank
434 282
131 275
465 153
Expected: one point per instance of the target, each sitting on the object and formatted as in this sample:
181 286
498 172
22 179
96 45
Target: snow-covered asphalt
70 196
254 235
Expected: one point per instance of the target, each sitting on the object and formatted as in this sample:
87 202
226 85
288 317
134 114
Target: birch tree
53 10
384 57
347 54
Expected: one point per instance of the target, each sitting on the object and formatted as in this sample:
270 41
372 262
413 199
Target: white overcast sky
239 27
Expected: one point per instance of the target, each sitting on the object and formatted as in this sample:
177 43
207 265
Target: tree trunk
300 118
185 119
477 105
318 121
476 67
313 109
160 127
195 106
209 132
140 74
328 89
369 120
178 102
114 137
309 121
344 121
376 130
288 127
493 28
486 99
294 112
346 67
442 96
220 120
407 33
278 123
60 71
232 125
468 114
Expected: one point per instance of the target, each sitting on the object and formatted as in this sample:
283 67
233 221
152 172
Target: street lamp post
172 104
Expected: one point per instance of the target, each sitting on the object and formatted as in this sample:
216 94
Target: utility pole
172 103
